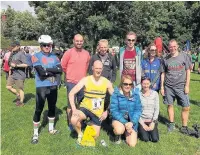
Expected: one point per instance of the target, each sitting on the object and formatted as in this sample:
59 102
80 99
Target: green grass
17 129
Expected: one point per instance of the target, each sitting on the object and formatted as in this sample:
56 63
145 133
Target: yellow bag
88 136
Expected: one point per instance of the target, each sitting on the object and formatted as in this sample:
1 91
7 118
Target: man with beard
75 63
109 65
17 75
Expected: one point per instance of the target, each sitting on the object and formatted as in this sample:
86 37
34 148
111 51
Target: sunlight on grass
17 129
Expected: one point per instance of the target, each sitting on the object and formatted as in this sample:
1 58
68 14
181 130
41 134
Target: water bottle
103 143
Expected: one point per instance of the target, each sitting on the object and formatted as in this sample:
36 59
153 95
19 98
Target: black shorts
93 118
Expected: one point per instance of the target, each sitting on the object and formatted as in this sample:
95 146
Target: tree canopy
107 19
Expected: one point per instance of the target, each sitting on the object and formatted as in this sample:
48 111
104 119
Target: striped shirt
150 107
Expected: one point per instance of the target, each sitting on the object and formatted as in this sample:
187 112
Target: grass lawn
17 129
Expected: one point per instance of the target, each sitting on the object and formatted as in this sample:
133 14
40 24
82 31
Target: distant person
115 56
148 123
194 59
175 82
47 66
29 62
75 63
17 62
130 59
151 66
126 109
198 59
6 67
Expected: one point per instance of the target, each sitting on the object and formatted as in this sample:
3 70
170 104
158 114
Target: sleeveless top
94 95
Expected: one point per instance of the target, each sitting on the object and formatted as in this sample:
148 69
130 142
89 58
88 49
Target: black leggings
148 135
41 94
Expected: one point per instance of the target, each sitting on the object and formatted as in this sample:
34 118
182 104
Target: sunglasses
46 45
128 84
131 40
152 50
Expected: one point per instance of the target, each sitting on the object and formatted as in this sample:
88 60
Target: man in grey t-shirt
175 81
17 63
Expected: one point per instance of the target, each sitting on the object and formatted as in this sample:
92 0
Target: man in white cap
47 66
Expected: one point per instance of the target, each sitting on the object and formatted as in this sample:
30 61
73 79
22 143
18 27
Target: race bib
96 103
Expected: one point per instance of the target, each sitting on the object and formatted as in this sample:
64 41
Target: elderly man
92 105
17 75
175 80
75 63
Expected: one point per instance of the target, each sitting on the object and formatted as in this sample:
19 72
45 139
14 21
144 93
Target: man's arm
22 66
187 83
64 60
55 70
162 84
110 88
75 90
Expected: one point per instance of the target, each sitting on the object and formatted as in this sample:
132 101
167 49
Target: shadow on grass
163 120
195 80
195 102
107 127
45 118
28 97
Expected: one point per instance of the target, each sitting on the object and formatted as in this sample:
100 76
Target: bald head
97 64
97 68
78 41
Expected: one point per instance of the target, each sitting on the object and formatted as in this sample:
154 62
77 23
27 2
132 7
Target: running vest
94 95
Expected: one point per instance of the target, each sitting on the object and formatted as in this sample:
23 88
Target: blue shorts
93 118
78 97
174 93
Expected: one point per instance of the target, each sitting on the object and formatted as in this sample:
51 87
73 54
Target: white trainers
34 139
117 139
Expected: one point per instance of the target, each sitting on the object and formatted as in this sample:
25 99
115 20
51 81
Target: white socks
51 123
36 126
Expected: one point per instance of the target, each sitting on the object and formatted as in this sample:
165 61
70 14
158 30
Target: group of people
133 106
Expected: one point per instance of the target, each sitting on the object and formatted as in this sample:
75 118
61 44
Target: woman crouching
148 126
125 110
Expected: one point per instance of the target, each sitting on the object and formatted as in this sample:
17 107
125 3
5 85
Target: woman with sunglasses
151 67
148 126
125 109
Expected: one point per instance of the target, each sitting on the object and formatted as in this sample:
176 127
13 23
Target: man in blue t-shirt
47 67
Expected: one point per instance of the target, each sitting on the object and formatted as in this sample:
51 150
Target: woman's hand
145 127
129 127
151 126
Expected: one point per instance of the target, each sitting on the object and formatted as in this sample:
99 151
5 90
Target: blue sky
17 5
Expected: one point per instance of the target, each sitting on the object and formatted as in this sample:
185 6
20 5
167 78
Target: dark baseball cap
15 43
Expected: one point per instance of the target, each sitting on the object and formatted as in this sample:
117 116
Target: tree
21 25
112 20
